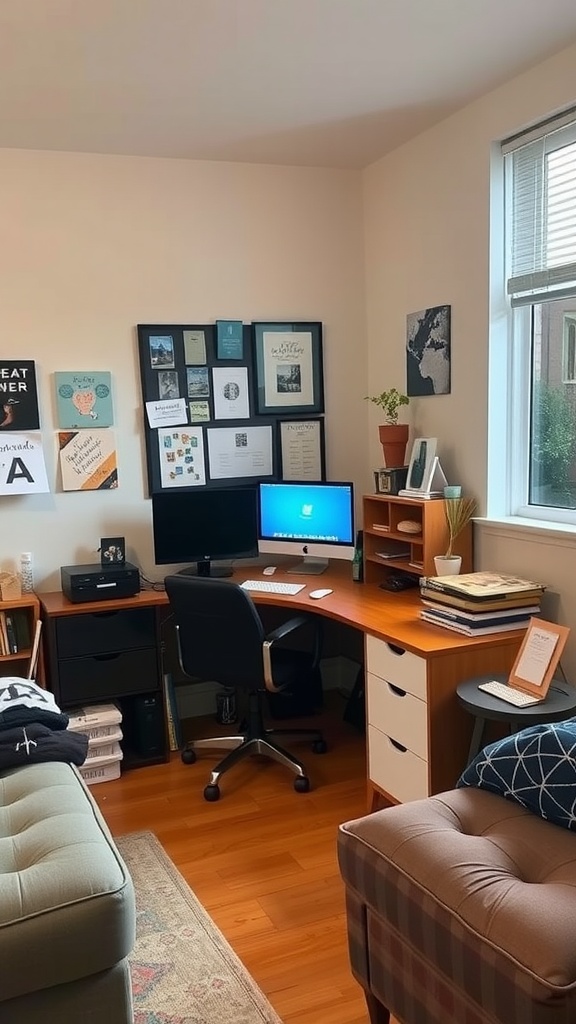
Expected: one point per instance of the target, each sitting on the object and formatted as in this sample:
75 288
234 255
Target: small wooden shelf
416 551
25 612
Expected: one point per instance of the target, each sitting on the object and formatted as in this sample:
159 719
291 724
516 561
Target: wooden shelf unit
26 610
381 516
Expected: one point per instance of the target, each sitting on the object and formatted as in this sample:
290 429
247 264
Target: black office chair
221 637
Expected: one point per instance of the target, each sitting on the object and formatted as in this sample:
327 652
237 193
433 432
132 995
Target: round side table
560 703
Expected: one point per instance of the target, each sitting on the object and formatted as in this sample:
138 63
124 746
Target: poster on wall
83 399
88 460
240 452
230 387
22 465
302 449
18 395
181 454
428 358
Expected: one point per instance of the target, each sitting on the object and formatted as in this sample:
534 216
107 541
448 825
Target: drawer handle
107 657
104 615
398 745
395 649
396 690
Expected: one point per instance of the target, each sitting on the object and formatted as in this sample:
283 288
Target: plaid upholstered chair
462 910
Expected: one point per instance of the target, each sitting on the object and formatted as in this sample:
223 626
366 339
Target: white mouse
317 594
269 570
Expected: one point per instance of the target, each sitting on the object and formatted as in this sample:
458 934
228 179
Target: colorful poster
88 460
18 395
83 399
181 454
22 466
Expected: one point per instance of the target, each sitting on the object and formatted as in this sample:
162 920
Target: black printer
99 582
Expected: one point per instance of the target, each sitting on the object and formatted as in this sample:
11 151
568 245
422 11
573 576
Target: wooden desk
418 735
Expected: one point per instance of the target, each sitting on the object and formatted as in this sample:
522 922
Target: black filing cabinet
110 652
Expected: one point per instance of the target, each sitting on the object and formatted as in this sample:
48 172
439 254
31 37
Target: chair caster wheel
188 756
212 793
319 747
301 784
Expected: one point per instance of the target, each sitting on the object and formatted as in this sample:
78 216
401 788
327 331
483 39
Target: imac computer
203 526
312 519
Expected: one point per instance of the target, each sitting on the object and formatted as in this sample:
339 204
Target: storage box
96 722
10 586
104 773
95 768
103 746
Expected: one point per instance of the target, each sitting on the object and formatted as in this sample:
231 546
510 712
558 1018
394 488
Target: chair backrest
219 630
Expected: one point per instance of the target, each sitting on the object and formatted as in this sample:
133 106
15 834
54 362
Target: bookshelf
18 619
389 549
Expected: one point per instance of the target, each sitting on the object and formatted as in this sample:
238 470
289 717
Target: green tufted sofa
67 911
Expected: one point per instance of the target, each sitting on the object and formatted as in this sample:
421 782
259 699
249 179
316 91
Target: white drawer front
398 666
400 773
397 713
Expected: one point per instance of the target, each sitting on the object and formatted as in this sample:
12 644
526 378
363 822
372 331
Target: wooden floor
262 860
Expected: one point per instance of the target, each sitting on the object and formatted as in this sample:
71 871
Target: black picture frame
288 368
309 462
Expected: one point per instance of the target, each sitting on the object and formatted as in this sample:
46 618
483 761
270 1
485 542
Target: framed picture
289 370
538 657
421 465
302 455
428 355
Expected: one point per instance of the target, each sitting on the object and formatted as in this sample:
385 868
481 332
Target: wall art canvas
428 352
22 465
18 395
88 460
84 399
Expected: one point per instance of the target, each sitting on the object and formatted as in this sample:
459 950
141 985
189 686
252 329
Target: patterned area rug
183 969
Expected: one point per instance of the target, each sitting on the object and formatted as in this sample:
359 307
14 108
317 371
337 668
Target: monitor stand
309 566
206 569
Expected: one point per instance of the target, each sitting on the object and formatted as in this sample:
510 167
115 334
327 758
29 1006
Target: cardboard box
10 586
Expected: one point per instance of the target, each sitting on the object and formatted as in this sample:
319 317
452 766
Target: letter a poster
22 466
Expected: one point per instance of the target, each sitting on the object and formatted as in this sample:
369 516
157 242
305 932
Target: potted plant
458 512
393 435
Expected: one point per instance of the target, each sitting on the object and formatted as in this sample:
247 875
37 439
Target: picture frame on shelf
288 368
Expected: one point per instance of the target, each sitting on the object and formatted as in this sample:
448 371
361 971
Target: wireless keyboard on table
509 694
272 587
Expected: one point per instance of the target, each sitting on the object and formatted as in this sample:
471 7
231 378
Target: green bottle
358 559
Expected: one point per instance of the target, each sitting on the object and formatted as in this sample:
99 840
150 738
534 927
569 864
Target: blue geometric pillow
535 767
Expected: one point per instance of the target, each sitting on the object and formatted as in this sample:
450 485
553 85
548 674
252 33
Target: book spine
11 634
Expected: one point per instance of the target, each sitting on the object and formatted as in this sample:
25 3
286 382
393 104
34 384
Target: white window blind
541 177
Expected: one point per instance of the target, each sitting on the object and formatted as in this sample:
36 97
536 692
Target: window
540 242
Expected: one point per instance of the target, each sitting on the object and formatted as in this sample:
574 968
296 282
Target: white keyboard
272 587
509 694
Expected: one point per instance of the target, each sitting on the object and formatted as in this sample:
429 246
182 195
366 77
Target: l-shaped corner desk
417 733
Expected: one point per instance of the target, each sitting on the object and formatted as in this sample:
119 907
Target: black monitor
203 526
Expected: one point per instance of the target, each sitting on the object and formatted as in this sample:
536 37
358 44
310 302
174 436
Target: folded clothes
36 743
22 701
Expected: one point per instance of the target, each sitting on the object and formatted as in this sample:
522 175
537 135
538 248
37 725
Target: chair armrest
277 634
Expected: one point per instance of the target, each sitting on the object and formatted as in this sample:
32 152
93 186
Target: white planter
447 566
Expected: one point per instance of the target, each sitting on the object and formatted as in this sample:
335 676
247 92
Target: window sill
536 530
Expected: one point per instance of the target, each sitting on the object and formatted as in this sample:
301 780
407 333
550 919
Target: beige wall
93 245
427 217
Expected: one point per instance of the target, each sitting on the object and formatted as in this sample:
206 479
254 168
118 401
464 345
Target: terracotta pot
394 438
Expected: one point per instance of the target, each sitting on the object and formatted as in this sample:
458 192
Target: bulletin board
204 394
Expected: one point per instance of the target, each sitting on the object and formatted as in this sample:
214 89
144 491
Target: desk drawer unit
397 718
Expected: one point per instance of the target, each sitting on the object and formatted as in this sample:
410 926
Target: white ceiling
311 82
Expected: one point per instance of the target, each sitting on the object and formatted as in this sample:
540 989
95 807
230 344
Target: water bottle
26 574
226 712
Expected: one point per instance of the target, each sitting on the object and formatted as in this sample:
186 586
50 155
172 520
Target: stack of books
477 603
